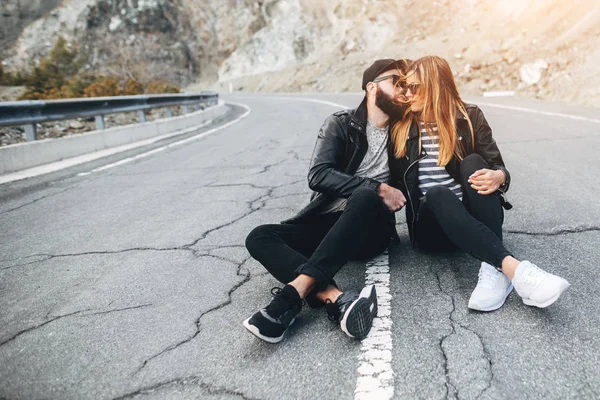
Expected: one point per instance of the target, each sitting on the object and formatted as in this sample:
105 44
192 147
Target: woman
452 174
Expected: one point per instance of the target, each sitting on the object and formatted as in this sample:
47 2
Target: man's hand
392 197
486 181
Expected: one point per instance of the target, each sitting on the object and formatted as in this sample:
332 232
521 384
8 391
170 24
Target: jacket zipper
354 154
423 154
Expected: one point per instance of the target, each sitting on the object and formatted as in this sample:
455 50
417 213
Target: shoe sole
358 319
254 330
548 302
370 293
495 306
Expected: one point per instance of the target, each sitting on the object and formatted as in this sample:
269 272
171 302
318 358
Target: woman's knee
471 163
438 194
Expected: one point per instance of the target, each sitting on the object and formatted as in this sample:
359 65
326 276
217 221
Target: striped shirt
431 174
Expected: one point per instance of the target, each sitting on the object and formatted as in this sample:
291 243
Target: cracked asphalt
132 283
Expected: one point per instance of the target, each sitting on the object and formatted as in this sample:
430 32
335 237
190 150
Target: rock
510 57
531 73
115 22
54 133
76 125
493 83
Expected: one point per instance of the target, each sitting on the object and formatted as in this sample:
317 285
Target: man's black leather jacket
340 148
404 171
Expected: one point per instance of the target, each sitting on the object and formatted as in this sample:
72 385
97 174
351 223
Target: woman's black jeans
474 225
320 245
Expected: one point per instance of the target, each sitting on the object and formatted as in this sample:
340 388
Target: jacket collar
414 131
359 117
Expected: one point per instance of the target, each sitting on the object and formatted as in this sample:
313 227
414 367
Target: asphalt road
133 281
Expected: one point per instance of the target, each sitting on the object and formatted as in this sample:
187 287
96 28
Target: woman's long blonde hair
441 99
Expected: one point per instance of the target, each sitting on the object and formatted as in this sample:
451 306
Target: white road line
549 113
375 375
178 143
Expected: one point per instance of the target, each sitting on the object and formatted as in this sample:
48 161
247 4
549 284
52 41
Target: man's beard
388 105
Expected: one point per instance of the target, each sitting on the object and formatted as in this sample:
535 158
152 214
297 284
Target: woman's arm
497 177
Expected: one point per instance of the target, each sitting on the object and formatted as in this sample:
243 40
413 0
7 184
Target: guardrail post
100 122
169 112
185 108
142 116
30 132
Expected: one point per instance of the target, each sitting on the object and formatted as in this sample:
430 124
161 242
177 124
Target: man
350 215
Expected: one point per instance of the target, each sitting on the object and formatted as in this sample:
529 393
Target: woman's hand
486 181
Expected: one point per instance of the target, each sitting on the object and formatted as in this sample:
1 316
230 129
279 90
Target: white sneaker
493 287
537 287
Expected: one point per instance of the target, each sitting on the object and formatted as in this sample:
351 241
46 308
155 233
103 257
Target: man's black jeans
474 225
320 245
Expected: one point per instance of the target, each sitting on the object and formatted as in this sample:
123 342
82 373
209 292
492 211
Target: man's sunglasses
401 83
395 79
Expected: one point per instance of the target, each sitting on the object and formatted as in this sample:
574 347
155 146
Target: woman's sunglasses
413 87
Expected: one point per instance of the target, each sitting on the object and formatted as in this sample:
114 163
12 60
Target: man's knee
471 163
364 197
255 239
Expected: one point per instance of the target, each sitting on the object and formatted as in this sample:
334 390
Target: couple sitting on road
412 141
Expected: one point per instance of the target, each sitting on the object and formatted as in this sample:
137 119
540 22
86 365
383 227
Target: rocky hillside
15 15
548 49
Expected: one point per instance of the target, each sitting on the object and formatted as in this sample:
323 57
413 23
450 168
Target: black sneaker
270 323
355 311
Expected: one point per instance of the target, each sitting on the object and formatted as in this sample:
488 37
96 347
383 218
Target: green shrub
133 87
9 79
103 87
156 87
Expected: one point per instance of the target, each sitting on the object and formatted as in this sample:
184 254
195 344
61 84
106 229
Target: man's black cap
378 67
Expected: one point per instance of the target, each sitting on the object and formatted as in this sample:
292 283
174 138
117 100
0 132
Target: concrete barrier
21 156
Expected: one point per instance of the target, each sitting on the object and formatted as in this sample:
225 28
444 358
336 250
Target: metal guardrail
31 112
